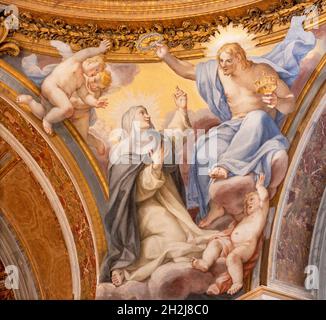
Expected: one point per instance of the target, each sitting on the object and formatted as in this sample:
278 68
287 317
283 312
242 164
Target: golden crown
148 41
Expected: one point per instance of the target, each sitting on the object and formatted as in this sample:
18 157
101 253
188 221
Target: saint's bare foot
222 173
24 98
47 126
117 277
214 213
199 264
213 290
235 288
211 216
205 222
218 173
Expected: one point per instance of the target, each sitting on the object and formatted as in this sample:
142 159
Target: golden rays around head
230 34
117 107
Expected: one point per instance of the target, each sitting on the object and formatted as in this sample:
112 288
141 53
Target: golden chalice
266 85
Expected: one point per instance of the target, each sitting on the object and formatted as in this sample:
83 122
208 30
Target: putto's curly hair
105 78
100 59
235 49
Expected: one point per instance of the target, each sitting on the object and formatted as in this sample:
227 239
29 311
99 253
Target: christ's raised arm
181 68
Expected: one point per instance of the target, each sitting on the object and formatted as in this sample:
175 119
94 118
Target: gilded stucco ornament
8 46
185 34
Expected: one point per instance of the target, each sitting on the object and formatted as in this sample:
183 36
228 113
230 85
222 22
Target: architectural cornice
185 32
101 11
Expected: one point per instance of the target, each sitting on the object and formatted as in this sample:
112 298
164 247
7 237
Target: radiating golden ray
130 98
230 34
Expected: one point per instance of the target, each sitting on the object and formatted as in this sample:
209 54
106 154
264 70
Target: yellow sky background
158 81
155 80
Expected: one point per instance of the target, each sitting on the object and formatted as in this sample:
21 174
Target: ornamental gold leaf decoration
185 34
8 46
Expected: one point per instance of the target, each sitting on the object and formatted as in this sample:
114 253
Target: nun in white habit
147 223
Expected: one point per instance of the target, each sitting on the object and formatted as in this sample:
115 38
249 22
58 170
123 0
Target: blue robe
248 144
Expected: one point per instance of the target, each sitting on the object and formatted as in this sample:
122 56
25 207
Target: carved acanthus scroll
7 45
